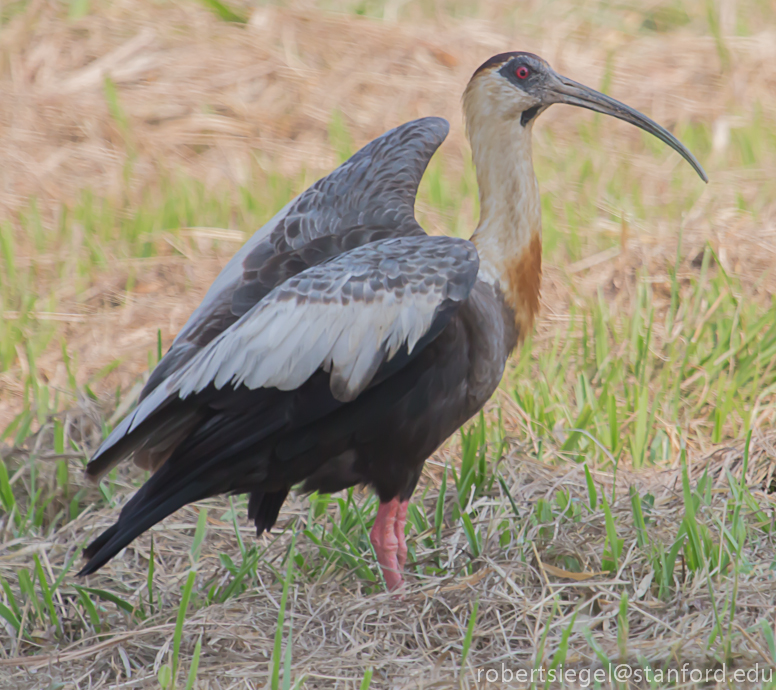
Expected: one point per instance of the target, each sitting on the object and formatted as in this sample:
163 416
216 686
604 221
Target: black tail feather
263 509
143 511
91 550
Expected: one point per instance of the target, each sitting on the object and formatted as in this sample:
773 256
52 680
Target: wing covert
375 188
349 317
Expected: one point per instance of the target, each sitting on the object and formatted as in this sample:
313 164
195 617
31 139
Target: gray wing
369 197
354 317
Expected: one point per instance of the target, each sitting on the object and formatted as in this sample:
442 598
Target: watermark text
622 673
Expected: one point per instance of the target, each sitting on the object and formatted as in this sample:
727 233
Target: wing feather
348 317
370 196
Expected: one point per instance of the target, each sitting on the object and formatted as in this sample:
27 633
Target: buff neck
509 235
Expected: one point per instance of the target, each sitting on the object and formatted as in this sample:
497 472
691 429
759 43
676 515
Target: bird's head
516 87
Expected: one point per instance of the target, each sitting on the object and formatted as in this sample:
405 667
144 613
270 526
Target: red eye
522 72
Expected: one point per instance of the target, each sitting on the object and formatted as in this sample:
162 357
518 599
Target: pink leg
387 537
401 522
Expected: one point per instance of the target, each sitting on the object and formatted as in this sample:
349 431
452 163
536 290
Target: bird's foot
387 537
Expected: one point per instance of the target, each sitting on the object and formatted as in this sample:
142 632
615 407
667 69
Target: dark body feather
372 418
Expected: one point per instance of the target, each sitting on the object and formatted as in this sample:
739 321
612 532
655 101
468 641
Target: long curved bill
565 90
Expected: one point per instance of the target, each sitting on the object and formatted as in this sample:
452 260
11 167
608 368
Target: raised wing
360 317
369 197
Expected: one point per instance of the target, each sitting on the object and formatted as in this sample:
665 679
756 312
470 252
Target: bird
342 344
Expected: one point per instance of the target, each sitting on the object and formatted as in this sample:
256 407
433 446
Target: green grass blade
224 12
178 634
623 627
439 513
199 535
287 655
91 609
150 577
467 640
194 664
592 494
10 616
638 518
563 648
366 681
47 598
276 651
614 543
6 491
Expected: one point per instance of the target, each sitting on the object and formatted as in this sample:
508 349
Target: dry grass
342 626
251 106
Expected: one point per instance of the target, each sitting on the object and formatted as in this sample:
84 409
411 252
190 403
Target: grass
613 502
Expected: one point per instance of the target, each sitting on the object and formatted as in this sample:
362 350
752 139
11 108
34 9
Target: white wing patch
282 344
346 317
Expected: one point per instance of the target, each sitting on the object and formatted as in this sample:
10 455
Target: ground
613 504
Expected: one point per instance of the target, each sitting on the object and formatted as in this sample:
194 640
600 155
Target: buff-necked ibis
342 344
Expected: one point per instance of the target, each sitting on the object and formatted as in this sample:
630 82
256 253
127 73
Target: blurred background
142 141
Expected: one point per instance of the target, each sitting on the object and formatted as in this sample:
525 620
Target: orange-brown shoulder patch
524 278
